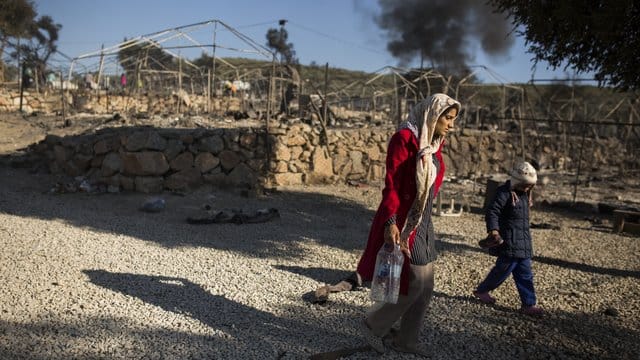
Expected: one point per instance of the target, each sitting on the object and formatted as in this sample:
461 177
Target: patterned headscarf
422 123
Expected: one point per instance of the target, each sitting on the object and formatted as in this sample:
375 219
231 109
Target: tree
16 18
598 36
43 35
18 21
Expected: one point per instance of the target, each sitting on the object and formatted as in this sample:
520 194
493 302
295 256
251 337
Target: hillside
349 82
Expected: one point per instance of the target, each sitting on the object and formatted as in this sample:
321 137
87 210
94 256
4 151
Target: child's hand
492 240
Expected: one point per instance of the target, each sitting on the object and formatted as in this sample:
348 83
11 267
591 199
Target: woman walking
414 172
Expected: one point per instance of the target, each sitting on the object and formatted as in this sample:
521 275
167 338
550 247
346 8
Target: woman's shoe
407 350
390 341
374 341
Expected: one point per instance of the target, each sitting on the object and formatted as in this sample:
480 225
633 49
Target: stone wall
476 153
359 154
31 101
51 101
152 160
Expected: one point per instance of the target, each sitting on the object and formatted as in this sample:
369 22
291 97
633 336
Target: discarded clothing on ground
321 295
544 226
236 217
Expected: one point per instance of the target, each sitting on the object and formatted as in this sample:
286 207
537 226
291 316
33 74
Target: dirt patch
19 131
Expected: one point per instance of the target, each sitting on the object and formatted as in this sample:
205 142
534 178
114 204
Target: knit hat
523 173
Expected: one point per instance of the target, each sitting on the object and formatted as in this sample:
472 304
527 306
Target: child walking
507 220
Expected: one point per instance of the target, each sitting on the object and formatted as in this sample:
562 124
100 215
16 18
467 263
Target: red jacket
397 198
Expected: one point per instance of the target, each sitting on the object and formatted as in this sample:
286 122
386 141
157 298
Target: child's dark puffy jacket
512 221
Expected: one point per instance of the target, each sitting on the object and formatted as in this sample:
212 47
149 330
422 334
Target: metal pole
575 186
325 90
62 96
71 71
270 91
522 144
503 106
396 108
208 90
213 64
626 137
21 86
179 72
106 92
35 79
100 69
179 106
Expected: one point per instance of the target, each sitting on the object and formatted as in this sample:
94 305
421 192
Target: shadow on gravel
325 219
242 329
558 334
96 337
322 275
586 267
456 247
237 331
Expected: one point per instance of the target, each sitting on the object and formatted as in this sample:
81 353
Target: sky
341 33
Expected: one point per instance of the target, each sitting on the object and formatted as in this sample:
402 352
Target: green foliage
42 43
18 21
598 36
16 18
10 71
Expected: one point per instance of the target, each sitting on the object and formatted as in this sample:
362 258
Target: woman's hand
392 236
404 246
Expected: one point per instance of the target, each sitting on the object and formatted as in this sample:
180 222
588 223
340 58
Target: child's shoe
484 297
532 310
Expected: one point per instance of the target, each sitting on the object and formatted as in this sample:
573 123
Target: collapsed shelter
149 78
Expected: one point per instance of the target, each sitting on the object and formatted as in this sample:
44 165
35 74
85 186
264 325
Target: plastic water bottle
385 285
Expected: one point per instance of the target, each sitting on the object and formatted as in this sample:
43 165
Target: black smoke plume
444 34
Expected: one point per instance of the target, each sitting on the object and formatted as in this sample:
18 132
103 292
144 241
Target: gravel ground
90 276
